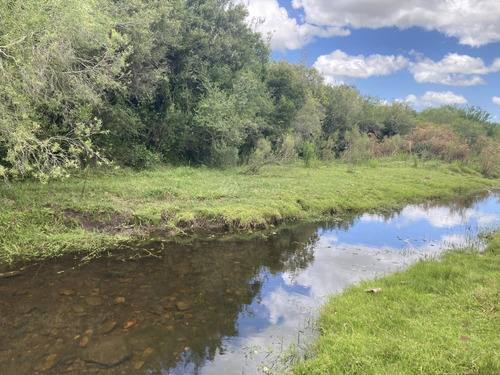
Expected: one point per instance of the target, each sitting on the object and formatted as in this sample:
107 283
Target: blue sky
423 52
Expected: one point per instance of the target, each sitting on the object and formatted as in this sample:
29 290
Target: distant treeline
189 81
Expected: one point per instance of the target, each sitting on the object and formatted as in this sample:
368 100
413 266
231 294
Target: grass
437 317
43 221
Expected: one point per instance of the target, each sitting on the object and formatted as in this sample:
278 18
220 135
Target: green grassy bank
40 221
438 317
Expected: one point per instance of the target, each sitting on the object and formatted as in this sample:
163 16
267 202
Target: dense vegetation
189 82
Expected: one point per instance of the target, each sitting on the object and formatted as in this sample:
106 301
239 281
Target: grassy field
41 221
438 317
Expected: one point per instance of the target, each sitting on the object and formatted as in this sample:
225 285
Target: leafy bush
287 149
309 154
261 156
489 161
359 147
327 147
264 154
140 157
223 155
390 146
431 141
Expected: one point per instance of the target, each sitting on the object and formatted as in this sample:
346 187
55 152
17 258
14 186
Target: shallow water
215 305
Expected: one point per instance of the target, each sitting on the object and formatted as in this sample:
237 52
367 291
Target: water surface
214 305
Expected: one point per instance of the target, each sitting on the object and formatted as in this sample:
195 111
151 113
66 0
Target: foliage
399 119
309 154
342 109
188 82
360 147
264 154
489 161
57 60
307 122
327 147
433 141
390 146
217 129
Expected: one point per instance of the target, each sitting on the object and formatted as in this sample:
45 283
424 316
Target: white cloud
495 67
338 65
287 33
453 70
435 99
473 22
496 100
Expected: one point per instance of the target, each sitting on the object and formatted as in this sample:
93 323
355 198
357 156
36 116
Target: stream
215 304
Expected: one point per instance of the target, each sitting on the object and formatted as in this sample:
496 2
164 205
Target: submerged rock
108 326
94 301
84 341
182 306
48 363
107 351
67 292
130 324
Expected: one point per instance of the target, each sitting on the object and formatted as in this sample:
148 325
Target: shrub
359 147
264 154
390 146
287 149
140 157
431 141
223 155
489 161
327 147
261 156
309 154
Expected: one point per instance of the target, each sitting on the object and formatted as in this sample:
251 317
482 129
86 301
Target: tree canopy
178 81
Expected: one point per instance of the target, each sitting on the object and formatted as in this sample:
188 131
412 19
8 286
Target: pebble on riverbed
48 363
182 306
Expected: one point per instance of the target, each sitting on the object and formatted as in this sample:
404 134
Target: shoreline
47 221
437 316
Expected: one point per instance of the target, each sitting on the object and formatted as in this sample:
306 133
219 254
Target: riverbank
437 317
74 215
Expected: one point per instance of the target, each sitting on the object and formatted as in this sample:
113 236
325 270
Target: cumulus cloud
338 65
496 100
435 99
473 22
453 70
286 32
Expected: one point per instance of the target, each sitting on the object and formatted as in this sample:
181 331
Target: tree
289 94
218 129
398 118
343 105
57 60
307 122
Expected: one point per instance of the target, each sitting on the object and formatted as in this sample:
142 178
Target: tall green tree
398 118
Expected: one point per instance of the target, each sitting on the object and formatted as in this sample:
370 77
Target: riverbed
215 303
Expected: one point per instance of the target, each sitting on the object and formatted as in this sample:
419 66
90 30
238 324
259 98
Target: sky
427 53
